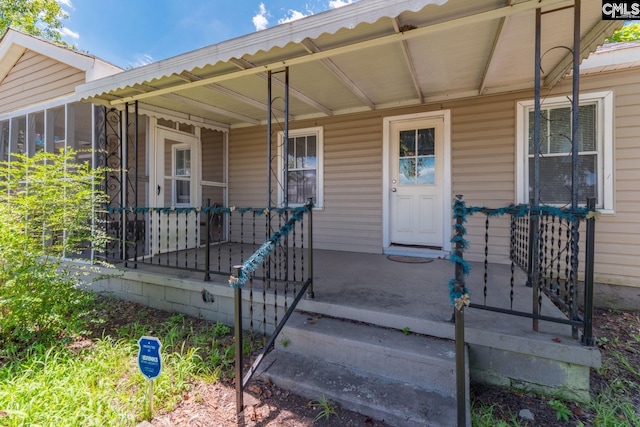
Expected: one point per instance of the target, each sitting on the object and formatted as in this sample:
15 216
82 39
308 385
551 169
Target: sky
131 33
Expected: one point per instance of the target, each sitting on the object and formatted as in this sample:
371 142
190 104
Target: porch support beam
588 44
311 47
409 60
144 89
230 93
211 108
490 61
248 66
468 20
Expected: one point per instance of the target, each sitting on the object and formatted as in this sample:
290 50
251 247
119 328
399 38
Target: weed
284 342
406 330
562 412
220 330
484 416
327 409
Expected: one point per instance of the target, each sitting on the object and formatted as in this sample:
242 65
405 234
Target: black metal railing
268 252
545 244
207 239
242 276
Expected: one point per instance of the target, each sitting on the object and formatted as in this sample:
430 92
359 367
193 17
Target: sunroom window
594 151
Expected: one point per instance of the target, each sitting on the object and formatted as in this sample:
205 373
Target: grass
97 382
484 416
326 409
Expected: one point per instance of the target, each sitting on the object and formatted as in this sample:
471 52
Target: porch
410 293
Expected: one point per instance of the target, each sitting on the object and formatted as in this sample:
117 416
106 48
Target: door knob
394 189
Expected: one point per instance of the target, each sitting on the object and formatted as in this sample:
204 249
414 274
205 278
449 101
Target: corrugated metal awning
368 55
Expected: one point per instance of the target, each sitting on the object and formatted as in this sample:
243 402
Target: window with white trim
595 150
304 166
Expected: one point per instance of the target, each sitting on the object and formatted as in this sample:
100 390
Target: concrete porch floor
371 288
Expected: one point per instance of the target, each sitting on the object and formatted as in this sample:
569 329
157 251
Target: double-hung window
304 166
595 151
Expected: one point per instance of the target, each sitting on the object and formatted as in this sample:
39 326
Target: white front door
176 177
416 180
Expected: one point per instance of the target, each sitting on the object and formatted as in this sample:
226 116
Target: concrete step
404 379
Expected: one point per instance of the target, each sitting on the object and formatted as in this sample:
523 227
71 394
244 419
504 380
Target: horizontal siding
36 78
352 214
483 171
212 156
483 162
618 234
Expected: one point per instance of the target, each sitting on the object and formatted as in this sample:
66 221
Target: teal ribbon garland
459 289
460 214
263 252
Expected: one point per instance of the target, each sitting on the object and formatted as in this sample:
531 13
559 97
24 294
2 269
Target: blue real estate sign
149 360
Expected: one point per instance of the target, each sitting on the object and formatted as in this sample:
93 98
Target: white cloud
293 15
339 3
66 3
260 20
69 33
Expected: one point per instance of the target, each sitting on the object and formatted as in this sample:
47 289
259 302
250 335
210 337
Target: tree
629 32
42 18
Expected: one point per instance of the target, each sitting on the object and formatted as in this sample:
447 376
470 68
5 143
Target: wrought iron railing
207 239
275 271
545 243
242 276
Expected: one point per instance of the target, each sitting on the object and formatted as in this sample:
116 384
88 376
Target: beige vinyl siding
36 78
351 217
483 161
247 167
483 168
212 167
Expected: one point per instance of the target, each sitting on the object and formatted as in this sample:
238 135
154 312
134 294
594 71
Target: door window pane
183 192
416 163
426 146
426 171
407 171
183 163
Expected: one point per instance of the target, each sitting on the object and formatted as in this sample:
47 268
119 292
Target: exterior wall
351 217
35 78
618 234
483 134
213 167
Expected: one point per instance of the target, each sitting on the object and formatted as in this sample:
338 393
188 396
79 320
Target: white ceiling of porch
369 55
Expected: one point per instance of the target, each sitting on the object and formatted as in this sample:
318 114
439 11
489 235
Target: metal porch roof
368 55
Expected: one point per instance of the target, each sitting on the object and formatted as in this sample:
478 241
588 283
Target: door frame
158 163
445 115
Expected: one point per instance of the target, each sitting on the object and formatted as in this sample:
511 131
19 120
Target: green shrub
48 210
